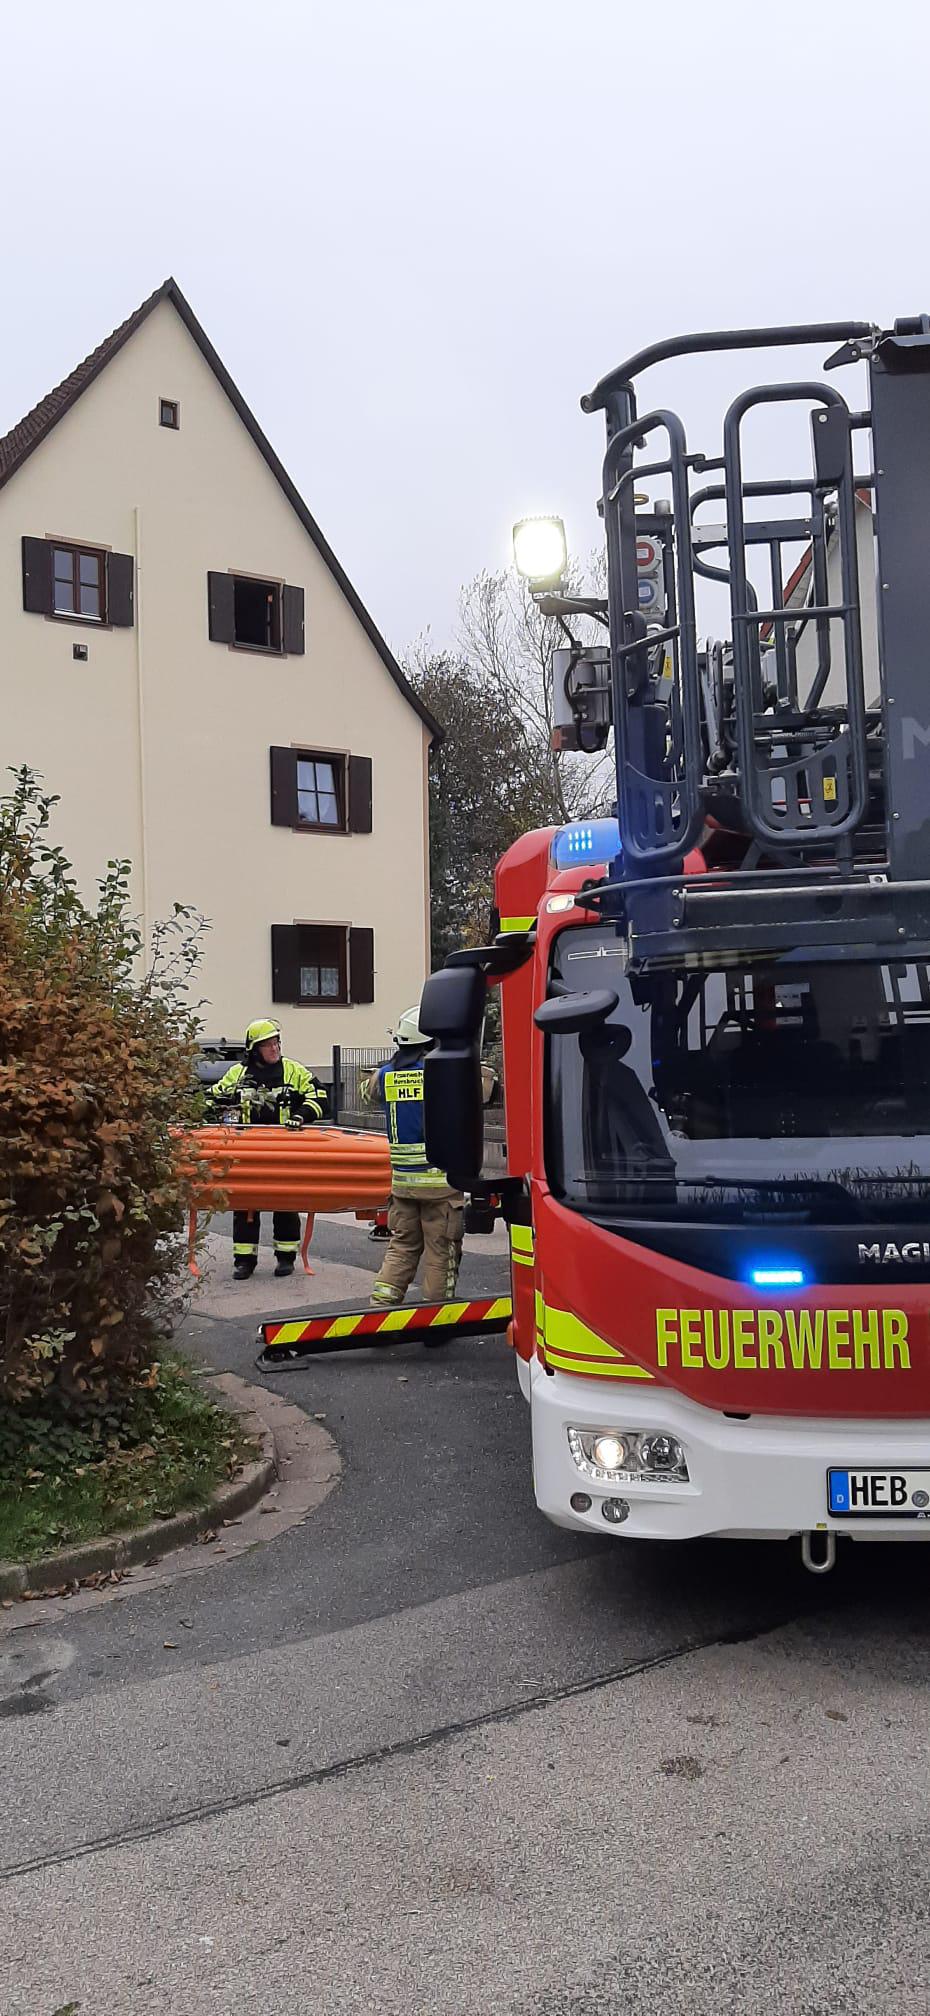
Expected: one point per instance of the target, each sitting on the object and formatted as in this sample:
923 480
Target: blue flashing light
586 843
777 1277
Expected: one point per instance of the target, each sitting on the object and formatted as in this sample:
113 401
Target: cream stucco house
188 666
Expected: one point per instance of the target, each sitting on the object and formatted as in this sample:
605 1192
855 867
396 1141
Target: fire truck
715 1001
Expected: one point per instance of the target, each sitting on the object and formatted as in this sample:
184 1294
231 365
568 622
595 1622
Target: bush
157 1449
96 1067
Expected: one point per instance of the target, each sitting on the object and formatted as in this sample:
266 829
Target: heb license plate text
876 1494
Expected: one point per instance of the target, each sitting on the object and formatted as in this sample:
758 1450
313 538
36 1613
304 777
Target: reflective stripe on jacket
296 1095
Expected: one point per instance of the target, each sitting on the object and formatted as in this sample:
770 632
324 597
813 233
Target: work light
540 552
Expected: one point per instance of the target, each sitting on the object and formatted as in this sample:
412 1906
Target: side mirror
571 1014
453 1002
452 1012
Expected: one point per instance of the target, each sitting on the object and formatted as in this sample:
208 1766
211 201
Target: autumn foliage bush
96 1067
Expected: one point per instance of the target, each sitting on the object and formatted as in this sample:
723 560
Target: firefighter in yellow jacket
267 1090
426 1216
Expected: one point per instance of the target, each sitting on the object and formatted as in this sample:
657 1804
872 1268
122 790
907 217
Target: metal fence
350 1070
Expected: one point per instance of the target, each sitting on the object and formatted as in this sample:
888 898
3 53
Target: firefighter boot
243 1270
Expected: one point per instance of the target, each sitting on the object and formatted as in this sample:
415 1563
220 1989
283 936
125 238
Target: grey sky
416 233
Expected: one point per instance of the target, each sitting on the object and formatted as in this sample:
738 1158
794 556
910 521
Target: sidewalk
218 1296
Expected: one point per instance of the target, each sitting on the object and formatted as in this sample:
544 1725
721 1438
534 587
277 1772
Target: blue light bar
586 843
777 1277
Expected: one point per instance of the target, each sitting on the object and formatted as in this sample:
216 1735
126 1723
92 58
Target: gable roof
19 443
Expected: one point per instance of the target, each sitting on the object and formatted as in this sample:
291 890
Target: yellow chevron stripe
570 1346
451 1312
522 1259
290 1333
343 1326
398 1319
518 923
601 1370
502 1307
521 1239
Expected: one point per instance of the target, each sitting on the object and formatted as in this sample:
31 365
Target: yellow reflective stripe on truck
522 1245
570 1346
518 923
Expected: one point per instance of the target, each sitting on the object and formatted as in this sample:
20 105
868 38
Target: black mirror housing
453 1002
570 1014
452 1009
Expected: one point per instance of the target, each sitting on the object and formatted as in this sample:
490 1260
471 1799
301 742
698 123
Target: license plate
878 1494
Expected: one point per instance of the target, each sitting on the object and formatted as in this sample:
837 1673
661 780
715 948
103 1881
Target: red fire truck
716 1002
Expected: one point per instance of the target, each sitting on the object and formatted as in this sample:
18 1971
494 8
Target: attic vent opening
169 413
257 613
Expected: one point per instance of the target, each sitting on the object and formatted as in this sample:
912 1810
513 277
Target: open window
251 613
256 613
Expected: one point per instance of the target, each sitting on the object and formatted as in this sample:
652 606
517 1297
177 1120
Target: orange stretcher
309 1169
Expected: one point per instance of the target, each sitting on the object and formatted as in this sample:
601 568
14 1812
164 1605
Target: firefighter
267 1090
426 1216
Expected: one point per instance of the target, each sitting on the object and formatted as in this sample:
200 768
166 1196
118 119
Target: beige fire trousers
433 1226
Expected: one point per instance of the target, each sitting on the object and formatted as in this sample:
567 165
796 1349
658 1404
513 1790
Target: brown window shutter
120 590
361 966
294 620
285 963
37 577
221 608
359 794
284 787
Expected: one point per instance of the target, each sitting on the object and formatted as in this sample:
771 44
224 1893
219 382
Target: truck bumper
759 1478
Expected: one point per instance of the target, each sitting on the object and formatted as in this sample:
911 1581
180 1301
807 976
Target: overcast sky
416 233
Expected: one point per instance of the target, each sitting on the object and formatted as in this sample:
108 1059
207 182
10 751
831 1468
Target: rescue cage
804 734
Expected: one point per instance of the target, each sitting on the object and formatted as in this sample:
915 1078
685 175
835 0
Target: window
322 978
252 614
78 583
169 413
322 965
320 790
749 1089
256 614
317 791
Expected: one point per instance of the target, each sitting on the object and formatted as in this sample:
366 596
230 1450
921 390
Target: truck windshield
805 1082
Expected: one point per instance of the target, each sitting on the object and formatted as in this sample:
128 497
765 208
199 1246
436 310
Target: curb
128 1550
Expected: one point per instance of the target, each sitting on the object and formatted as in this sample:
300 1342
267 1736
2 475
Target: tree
488 783
509 644
96 1068
495 774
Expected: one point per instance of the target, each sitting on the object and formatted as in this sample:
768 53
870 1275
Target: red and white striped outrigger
284 1346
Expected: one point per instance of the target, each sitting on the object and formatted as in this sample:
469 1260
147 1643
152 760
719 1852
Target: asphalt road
428 1754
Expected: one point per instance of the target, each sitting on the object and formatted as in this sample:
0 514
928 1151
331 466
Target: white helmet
408 1029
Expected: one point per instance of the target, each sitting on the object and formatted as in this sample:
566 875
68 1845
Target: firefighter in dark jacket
268 1090
426 1216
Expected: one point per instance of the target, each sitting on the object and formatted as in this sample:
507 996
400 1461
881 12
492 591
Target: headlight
540 551
625 1456
662 1453
609 1452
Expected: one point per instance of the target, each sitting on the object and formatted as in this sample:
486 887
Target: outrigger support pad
286 1346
